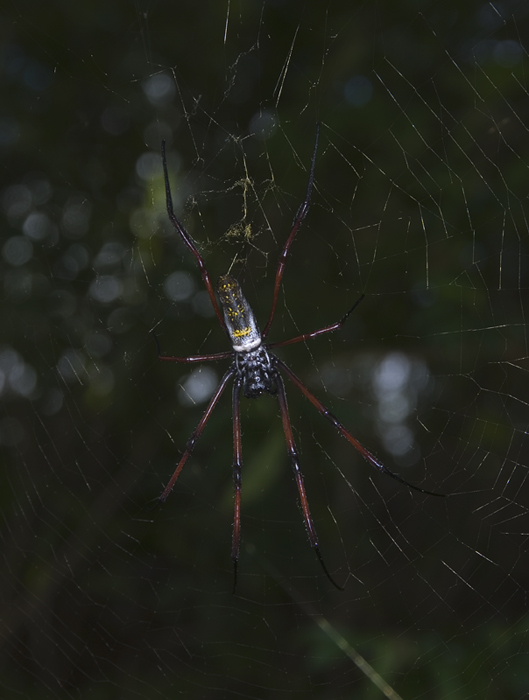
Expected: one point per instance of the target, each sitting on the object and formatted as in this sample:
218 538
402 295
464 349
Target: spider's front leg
366 454
197 433
292 450
237 477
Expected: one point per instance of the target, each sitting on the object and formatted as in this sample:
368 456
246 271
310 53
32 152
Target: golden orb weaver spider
256 370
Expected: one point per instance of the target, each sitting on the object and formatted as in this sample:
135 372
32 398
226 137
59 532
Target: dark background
420 202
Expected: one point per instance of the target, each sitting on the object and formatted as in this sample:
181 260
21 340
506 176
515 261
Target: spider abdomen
256 372
238 316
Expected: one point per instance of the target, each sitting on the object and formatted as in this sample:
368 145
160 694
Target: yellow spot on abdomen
242 333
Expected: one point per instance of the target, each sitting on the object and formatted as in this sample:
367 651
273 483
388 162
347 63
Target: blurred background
420 203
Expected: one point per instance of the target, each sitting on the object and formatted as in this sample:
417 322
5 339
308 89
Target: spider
256 370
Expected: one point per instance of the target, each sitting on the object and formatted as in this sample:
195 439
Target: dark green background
420 202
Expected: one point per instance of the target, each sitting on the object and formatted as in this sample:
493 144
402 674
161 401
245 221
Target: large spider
256 370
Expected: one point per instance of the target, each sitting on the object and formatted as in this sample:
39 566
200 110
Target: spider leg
197 433
237 466
291 446
298 220
328 329
181 230
191 358
346 434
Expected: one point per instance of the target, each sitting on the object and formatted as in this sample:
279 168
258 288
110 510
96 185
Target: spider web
419 203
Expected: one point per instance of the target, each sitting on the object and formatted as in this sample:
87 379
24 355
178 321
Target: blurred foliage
419 202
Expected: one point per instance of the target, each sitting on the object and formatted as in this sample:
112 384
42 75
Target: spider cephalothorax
255 370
